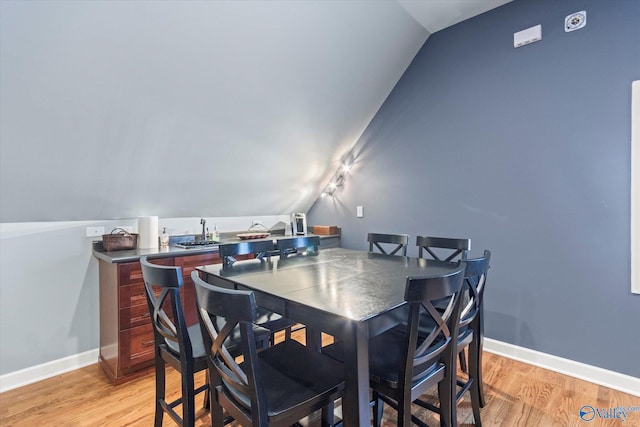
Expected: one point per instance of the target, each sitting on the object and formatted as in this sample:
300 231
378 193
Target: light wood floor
517 394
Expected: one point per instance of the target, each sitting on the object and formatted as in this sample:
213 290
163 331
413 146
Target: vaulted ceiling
220 108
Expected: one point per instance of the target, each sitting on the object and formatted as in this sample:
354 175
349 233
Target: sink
198 244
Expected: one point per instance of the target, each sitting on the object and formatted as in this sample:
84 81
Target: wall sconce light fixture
339 177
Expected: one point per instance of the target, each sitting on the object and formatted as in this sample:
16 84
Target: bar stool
275 387
176 344
403 365
471 330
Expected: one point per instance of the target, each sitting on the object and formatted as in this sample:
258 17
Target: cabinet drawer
132 295
130 273
138 315
133 303
189 263
136 346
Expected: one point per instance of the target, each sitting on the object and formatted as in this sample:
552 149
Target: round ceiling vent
575 21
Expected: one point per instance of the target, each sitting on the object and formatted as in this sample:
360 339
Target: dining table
349 294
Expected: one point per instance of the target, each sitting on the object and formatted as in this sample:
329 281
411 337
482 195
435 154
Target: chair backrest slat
259 248
166 326
435 246
307 245
398 243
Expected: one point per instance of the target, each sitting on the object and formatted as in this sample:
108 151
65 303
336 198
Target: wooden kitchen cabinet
188 294
126 334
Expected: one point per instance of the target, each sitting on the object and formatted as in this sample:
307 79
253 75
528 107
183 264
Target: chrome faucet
204 234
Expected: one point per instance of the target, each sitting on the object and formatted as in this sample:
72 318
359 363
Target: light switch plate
359 211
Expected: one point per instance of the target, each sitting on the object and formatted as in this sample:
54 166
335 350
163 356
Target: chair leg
188 399
479 337
475 368
328 415
378 409
474 390
463 360
160 390
404 412
447 397
217 416
475 405
205 404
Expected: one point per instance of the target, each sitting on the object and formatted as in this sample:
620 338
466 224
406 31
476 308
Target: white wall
49 286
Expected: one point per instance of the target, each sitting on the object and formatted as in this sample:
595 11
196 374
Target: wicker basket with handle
119 240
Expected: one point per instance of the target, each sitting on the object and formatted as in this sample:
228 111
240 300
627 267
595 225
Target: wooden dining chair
471 330
275 387
442 248
261 250
176 344
403 365
388 244
303 245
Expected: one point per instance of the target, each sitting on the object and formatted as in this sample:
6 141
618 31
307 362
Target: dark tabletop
353 284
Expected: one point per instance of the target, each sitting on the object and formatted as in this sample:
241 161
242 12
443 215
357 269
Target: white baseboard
47 370
604 377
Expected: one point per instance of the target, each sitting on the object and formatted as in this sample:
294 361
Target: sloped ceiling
436 15
119 109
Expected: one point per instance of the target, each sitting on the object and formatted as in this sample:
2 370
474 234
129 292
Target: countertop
172 251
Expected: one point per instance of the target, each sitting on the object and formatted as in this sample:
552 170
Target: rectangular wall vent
527 36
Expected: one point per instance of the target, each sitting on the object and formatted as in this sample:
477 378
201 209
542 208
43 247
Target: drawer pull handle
147 343
140 318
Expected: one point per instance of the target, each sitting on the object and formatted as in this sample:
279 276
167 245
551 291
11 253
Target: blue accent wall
527 152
